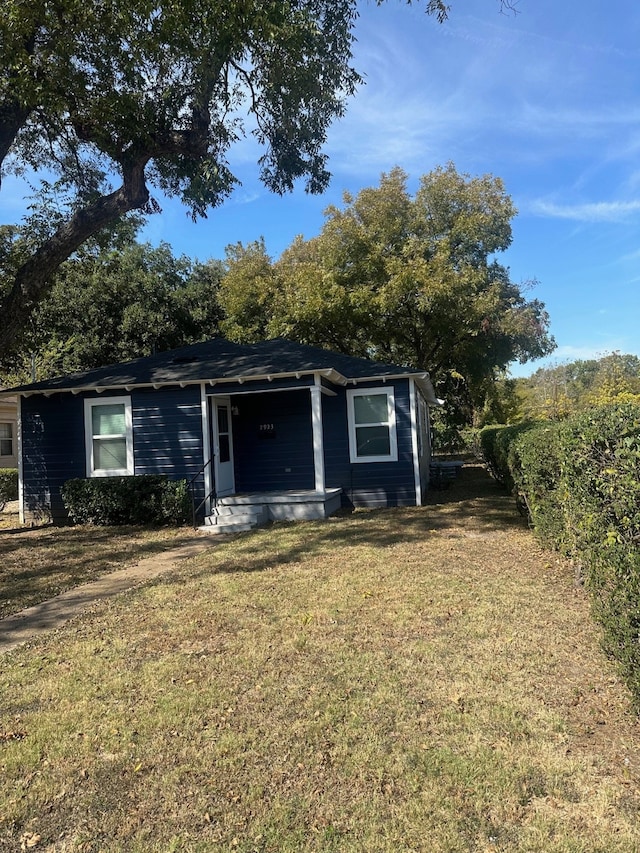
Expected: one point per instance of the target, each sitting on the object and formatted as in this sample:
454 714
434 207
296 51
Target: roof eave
330 373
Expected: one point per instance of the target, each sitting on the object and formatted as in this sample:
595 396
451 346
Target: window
6 439
372 425
108 437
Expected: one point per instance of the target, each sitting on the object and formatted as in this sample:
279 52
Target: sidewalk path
53 613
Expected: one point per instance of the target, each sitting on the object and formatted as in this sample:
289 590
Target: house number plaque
266 431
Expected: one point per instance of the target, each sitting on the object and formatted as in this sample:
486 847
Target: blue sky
548 100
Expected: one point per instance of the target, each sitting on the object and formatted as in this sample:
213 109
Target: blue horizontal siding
167 439
167 434
52 450
369 484
284 461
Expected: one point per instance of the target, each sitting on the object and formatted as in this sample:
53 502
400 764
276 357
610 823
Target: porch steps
235 519
237 513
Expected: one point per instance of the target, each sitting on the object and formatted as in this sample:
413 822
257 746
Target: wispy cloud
600 211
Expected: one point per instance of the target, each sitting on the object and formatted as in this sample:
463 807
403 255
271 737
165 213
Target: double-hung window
6 439
372 425
108 437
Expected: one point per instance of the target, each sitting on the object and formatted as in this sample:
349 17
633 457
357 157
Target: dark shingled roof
220 360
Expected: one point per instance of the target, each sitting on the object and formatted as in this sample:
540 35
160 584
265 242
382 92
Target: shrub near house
8 485
581 483
146 499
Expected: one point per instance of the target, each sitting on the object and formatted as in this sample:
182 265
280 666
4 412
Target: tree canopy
114 101
115 303
410 280
556 392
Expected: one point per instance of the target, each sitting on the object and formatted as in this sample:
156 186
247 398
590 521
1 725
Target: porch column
316 424
415 426
206 447
21 508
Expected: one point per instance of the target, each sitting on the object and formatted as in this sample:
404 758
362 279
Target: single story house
8 432
276 428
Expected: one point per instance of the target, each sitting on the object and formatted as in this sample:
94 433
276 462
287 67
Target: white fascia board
332 375
422 380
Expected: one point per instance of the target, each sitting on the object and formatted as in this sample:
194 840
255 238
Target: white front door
222 446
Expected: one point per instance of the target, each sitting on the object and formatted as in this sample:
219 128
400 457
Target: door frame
215 401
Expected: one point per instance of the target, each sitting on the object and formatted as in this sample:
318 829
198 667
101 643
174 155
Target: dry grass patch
411 680
39 563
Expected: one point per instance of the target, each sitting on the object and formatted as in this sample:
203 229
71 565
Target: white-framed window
108 429
6 439
371 414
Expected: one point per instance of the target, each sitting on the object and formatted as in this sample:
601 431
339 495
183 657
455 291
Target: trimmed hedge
581 483
495 443
144 499
8 485
535 463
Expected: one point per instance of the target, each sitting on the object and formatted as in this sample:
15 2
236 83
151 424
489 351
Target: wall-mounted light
235 411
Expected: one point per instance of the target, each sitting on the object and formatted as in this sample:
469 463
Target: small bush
8 485
145 499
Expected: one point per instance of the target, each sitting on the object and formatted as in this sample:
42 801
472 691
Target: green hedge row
144 499
8 485
581 483
495 444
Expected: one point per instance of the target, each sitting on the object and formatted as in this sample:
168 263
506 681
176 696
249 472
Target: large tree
411 280
115 99
113 304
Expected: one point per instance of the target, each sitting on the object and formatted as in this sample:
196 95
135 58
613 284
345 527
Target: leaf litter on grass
422 679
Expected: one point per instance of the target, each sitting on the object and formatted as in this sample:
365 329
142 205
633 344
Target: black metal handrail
192 492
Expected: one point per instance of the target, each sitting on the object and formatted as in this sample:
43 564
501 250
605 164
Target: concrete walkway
23 626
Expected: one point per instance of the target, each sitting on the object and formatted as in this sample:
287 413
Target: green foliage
153 97
406 279
496 443
116 304
8 485
145 499
535 467
555 393
581 482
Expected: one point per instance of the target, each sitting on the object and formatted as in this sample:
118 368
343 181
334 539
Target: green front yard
411 680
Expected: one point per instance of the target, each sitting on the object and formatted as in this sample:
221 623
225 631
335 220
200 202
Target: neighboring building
296 430
8 432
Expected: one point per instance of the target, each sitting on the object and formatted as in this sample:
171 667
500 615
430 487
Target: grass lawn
413 680
39 563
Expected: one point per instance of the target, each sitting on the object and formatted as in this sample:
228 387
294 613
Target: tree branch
12 118
34 278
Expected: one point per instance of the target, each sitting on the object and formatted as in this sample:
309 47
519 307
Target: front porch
237 513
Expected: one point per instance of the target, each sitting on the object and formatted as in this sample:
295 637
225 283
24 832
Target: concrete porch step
222 529
235 519
236 513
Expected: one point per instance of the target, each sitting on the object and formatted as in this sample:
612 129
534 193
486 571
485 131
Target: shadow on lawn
41 563
474 506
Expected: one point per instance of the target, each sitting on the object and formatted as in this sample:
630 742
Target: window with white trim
371 415
108 429
6 439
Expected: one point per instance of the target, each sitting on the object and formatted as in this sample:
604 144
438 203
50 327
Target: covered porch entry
266 448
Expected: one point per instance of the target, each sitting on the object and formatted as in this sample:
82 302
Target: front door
222 446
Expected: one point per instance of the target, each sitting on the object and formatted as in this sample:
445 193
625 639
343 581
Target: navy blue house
277 429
